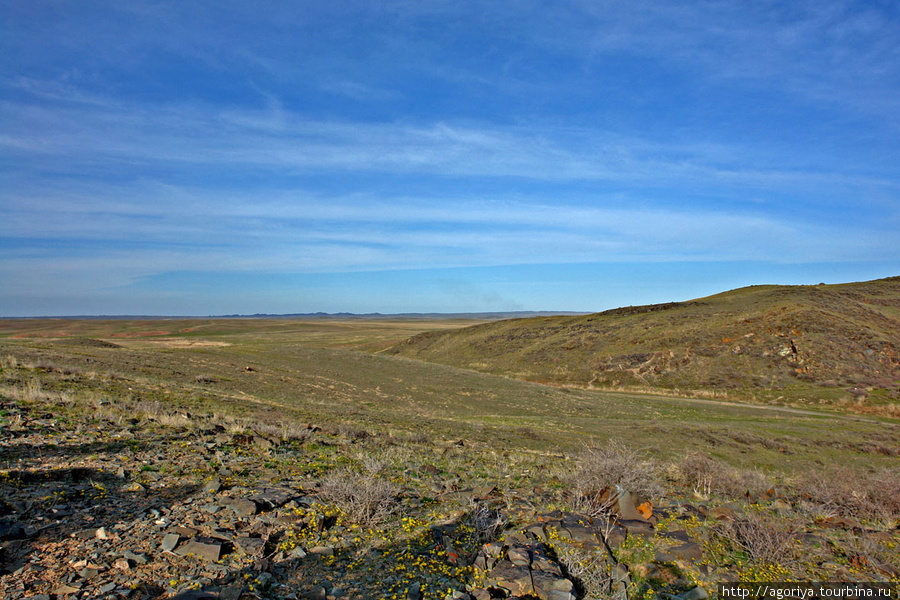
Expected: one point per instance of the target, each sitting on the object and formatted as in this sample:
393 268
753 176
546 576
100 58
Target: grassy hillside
826 344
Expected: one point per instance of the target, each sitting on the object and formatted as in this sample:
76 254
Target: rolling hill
826 344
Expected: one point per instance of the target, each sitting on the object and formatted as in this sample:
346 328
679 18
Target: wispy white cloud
65 139
145 139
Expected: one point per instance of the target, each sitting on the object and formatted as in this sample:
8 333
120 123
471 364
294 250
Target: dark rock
11 530
271 498
243 507
688 551
196 595
698 593
678 535
547 583
638 528
516 580
232 592
518 556
89 573
105 589
316 593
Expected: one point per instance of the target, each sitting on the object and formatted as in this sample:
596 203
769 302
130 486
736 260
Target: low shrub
845 491
363 498
486 521
707 475
609 465
765 540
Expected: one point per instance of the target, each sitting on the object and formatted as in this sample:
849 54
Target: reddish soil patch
135 334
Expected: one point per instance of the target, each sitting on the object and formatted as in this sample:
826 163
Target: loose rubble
99 507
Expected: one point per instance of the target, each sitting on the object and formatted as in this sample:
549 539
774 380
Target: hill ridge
835 343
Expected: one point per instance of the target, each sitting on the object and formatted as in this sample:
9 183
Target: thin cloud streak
140 141
68 140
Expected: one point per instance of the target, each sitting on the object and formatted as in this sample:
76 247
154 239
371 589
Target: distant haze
198 158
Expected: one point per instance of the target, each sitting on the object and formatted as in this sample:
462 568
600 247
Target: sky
207 158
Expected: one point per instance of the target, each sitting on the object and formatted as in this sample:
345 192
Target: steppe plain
443 458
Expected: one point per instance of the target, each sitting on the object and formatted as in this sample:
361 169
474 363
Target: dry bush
841 490
157 412
351 432
486 521
286 431
419 437
885 491
708 475
765 540
613 464
295 432
363 498
589 570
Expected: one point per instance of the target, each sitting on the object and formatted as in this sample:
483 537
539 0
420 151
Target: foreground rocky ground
112 498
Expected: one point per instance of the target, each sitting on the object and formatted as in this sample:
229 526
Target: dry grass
849 492
707 475
33 391
766 541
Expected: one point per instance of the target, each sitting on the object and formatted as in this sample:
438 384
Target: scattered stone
88 573
170 542
698 593
688 551
250 545
243 507
625 507
208 550
196 595
723 513
316 593
139 559
11 530
64 589
231 592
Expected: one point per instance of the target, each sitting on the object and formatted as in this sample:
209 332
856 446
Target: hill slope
748 342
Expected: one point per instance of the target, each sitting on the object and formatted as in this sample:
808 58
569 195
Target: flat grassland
332 371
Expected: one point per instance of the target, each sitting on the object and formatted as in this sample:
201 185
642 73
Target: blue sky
176 158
